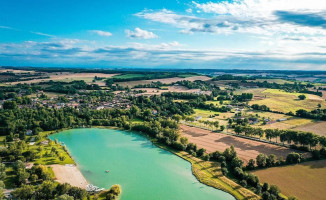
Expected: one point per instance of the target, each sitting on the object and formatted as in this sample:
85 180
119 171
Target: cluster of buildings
76 101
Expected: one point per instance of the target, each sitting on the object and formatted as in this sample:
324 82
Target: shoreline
195 168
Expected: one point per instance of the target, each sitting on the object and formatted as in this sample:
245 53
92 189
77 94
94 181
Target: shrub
206 157
274 190
293 158
201 152
251 164
224 171
243 183
261 160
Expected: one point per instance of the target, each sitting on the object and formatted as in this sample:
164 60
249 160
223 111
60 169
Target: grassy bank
209 173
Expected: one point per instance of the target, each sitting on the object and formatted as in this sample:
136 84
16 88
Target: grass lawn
137 121
275 91
44 154
267 115
305 181
45 157
204 113
10 176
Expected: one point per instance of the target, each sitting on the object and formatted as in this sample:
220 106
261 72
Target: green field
281 92
217 103
47 157
285 102
137 121
127 76
204 113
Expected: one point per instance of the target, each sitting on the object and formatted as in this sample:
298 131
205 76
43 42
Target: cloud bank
140 34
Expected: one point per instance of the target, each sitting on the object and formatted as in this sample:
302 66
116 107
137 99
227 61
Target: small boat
107 171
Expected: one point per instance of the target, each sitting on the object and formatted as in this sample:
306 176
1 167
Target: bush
236 162
206 157
293 158
253 180
251 164
274 190
302 97
265 187
201 152
243 183
224 171
178 146
215 155
238 172
191 146
261 160
113 192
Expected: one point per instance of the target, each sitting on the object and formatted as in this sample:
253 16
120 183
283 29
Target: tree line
290 136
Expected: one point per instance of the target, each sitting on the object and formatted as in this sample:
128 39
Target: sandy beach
69 174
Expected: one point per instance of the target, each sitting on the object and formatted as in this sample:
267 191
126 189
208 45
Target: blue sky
243 34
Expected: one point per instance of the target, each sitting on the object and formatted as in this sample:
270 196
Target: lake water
144 171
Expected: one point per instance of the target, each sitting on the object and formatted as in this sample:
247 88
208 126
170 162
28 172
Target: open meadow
285 102
306 180
278 121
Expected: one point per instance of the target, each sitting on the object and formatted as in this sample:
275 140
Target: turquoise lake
144 171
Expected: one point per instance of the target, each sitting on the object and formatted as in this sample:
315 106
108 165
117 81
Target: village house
29 132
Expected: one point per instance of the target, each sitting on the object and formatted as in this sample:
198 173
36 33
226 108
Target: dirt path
246 149
69 174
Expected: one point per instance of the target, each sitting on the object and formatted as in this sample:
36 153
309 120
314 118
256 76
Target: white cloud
140 34
102 33
6 27
42 34
286 55
261 16
263 9
266 17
